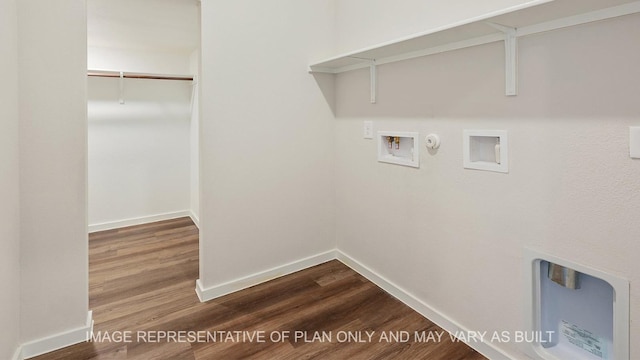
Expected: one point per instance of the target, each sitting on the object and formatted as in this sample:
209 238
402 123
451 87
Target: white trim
194 218
58 341
424 309
206 294
18 354
138 221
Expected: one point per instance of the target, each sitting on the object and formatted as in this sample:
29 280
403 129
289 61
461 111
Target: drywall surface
132 60
266 137
9 182
453 237
138 151
53 146
143 24
363 23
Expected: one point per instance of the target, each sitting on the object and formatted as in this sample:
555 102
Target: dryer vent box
486 150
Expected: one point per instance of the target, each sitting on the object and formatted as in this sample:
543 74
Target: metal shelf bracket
511 58
373 79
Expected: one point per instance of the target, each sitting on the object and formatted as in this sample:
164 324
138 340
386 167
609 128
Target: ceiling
160 25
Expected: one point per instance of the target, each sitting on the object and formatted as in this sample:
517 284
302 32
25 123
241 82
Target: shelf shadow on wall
326 83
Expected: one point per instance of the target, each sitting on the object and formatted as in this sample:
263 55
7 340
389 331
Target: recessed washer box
485 150
398 147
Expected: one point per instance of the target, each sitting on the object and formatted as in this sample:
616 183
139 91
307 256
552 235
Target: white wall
145 174
454 238
53 147
195 138
9 183
363 23
144 61
266 137
138 152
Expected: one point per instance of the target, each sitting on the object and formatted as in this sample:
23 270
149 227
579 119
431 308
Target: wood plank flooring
142 281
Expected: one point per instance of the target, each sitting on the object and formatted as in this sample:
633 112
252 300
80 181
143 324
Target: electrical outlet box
486 150
368 129
400 148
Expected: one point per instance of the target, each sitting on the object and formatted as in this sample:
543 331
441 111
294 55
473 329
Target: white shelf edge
443 48
579 19
436 30
414 54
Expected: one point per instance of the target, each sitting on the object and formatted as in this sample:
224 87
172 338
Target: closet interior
143 65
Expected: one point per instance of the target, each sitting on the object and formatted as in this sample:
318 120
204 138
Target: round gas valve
432 141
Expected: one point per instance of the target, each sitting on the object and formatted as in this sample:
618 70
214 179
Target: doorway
143 120
143 64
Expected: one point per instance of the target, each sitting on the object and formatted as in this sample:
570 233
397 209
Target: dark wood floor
142 282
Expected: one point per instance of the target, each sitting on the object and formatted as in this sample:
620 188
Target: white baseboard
58 341
206 294
194 218
429 312
139 221
18 354
437 317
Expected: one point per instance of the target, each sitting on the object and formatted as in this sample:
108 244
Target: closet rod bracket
121 100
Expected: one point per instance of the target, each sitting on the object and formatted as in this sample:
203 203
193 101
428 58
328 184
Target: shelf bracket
511 58
373 78
511 63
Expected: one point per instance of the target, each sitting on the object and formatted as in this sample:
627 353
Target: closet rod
115 74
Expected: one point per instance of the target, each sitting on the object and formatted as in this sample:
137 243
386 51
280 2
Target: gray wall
454 238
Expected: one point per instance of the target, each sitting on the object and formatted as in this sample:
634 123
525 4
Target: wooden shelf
507 25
